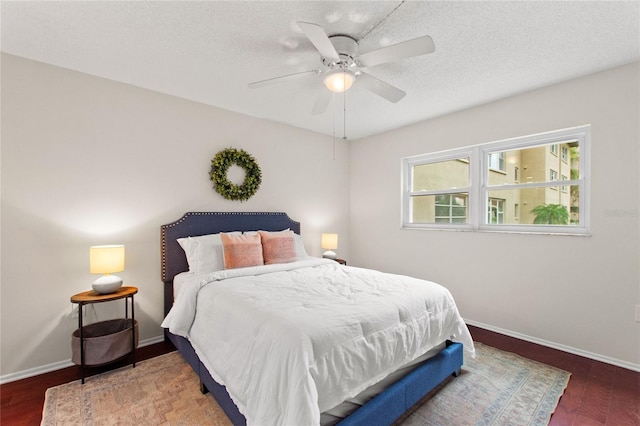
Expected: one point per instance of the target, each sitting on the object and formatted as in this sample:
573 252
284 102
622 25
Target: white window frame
479 187
408 194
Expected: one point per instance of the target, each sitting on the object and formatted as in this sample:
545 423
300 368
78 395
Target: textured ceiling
208 51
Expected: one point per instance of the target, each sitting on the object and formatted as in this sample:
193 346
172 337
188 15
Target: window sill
580 233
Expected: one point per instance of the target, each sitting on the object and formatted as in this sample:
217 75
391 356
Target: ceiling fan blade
380 88
322 102
406 49
270 81
317 36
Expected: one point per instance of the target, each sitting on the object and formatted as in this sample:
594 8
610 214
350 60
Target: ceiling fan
343 66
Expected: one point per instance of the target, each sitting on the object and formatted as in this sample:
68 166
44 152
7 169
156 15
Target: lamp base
329 255
107 284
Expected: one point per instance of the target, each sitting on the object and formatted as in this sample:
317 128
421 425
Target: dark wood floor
598 393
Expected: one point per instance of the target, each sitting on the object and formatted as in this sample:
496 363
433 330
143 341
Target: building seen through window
540 204
509 184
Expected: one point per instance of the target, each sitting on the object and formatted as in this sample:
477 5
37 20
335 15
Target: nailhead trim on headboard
194 224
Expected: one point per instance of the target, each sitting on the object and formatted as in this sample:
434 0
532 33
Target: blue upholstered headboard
194 224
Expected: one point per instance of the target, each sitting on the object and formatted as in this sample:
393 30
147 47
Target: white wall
579 292
88 161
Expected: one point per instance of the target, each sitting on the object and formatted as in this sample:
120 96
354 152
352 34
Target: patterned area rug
160 391
495 388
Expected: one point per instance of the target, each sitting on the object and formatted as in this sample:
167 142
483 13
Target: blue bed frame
384 409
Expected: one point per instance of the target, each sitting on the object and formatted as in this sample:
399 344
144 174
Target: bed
289 342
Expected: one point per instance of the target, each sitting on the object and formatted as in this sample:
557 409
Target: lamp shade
329 241
106 259
339 81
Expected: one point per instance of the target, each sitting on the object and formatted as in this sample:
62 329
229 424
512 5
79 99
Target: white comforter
290 341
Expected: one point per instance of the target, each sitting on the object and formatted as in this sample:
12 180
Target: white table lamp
329 242
106 260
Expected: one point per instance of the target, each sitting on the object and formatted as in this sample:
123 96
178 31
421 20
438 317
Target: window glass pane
441 175
532 165
446 208
496 161
534 206
459 211
442 210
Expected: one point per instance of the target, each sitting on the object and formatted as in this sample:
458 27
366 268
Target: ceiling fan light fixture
339 81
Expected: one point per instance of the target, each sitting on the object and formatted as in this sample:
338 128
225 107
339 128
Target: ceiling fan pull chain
334 125
344 116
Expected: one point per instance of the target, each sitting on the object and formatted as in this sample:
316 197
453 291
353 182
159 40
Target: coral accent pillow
204 253
241 251
278 247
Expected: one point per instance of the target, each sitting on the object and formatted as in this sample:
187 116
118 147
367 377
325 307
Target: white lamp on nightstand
106 260
329 242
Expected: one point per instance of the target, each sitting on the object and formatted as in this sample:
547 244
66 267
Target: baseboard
586 354
30 372
11 377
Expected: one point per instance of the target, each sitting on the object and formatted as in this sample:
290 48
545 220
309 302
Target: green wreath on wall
223 186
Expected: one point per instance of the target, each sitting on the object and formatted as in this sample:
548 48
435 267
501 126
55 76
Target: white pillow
204 253
300 250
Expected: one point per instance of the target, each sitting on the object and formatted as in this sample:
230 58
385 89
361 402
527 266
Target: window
509 185
495 214
439 188
451 208
496 161
553 176
564 187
